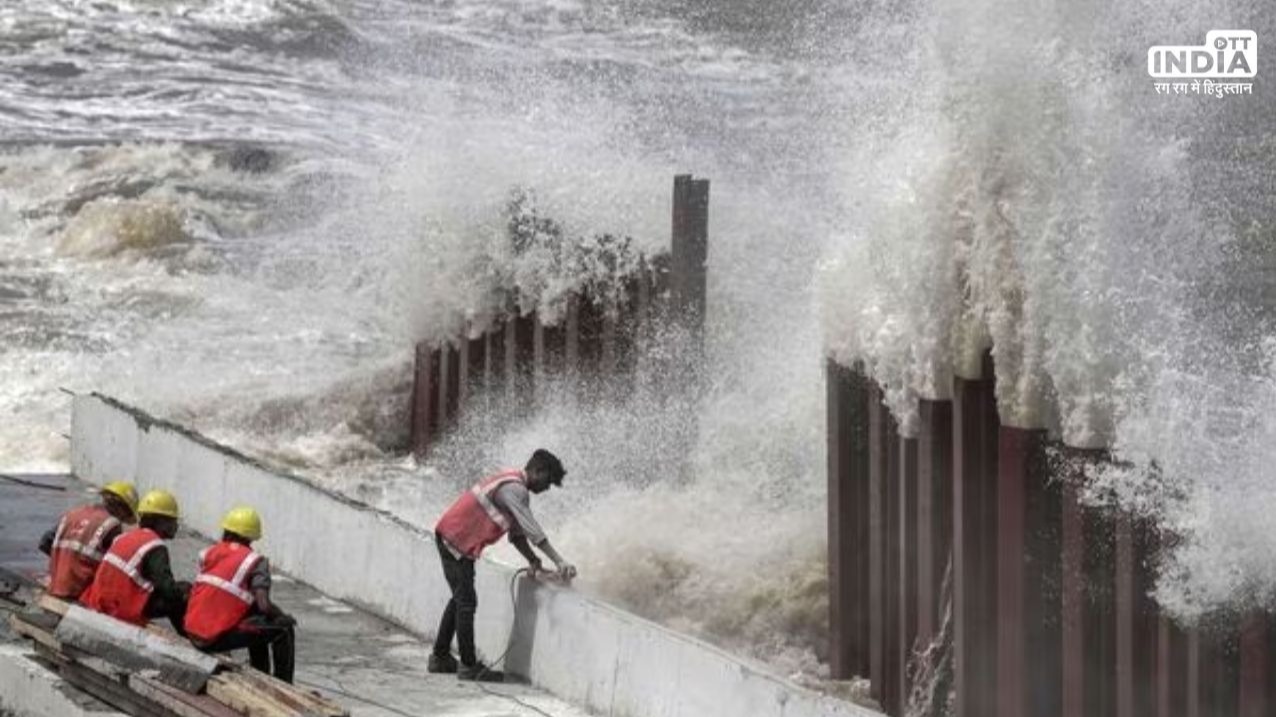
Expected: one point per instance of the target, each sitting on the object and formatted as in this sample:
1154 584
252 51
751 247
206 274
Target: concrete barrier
584 651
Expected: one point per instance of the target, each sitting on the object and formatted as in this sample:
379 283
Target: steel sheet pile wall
1051 608
518 355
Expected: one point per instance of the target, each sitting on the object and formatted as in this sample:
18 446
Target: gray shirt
515 501
259 577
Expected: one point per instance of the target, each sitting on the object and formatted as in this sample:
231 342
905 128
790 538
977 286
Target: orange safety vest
474 522
119 589
77 549
220 598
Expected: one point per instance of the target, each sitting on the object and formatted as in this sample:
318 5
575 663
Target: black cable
353 696
512 698
33 484
514 603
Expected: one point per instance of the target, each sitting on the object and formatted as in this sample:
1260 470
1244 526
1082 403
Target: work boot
479 673
441 664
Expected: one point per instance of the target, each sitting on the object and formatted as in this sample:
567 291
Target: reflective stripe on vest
119 588
93 548
235 586
130 568
474 521
77 549
222 594
483 494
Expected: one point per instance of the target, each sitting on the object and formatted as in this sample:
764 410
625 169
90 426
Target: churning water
242 213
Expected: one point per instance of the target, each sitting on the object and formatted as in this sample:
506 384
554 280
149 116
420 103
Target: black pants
266 641
458 618
173 608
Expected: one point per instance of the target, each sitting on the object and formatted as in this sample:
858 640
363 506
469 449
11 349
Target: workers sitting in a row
127 574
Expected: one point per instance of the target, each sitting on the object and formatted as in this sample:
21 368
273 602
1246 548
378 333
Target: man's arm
516 501
566 569
519 541
46 541
259 583
109 539
157 569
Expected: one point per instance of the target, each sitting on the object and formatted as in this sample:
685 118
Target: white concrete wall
582 650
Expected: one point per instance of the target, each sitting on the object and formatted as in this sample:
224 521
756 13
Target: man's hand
535 570
566 572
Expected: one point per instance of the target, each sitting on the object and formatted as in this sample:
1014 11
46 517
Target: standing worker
81 538
494 506
135 581
230 606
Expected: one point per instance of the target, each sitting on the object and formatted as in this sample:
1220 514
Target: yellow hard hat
243 521
158 502
124 491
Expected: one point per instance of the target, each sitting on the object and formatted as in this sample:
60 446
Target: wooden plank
39 634
102 687
237 695
292 695
57 606
176 701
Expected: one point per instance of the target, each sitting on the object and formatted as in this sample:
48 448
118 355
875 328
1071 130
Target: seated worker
81 538
230 605
135 581
496 505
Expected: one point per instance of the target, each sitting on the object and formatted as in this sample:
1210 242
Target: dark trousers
458 618
266 641
173 608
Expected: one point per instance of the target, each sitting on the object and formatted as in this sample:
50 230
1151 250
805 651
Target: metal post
690 249
1171 669
1255 667
425 392
1028 553
1137 622
589 346
571 338
521 360
473 368
494 357
884 510
975 424
934 511
906 559
879 447
449 386
848 456
1214 661
1088 598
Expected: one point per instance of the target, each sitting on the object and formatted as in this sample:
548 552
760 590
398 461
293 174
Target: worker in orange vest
135 581
495 506
81 538
230 606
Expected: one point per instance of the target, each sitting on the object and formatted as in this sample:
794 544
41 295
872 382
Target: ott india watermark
1226 58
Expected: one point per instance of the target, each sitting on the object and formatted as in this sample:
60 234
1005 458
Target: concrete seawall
584 651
